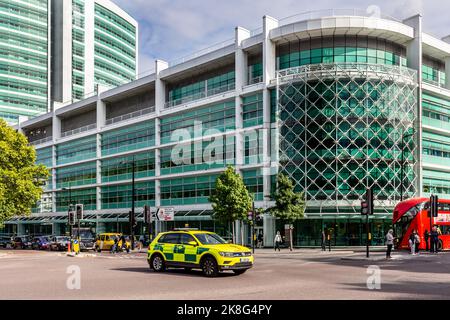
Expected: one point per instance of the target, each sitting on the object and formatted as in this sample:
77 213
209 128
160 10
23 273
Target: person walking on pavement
324 241
260 239
389 243
416 242
434 240
411 242
426 237
114 246
277 241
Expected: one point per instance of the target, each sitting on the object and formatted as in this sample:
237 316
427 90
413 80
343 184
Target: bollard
68 247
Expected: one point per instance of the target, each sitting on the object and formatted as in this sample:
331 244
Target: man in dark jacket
434 237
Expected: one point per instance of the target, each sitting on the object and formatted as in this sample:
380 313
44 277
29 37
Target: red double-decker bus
412 214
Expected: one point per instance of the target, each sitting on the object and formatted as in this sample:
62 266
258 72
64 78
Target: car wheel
209 267
187 269
157 263
238 272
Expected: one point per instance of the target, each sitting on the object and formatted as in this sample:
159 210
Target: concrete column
56 127
101 114
61 51
414 55
447 65
269 73
160 86
99 171
89 51
241 80
269 230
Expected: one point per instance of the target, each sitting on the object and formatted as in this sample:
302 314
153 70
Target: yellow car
106 240
197 250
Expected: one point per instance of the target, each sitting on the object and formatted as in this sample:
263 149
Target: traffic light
71 218
364 208
79 211
367 204
259 217
250 215
434 205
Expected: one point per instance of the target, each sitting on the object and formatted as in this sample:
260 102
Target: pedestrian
114 246
123 244
277 241
389 243
434 240
323 240
260 239
141 242
416 242
411 242
426 237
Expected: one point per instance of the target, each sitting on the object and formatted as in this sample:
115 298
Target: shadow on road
172 271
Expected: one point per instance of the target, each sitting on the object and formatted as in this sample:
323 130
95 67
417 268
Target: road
303 274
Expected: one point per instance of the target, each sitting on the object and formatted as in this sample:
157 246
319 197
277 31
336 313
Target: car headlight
226 254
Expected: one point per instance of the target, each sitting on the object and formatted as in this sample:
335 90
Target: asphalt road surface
303 274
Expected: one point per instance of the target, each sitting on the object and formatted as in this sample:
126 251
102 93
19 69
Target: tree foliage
21 180
231 200
289 205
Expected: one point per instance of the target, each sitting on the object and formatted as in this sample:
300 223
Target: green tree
21 180
289 205
230 201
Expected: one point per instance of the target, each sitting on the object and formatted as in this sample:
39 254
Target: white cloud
175 28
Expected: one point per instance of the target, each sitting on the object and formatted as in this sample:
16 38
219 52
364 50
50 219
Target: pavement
301 274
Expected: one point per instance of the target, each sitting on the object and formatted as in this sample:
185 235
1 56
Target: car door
168 242
188 250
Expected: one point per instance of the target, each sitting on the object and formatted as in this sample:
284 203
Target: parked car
40 243
5 241
21 242
59 243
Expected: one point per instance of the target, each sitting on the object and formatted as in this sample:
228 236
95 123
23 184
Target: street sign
165 214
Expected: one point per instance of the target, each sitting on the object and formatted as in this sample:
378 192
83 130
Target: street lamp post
402 169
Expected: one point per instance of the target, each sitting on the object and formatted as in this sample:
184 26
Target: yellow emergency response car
193 249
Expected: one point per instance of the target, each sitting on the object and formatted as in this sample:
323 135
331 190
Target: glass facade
129 138
23 58
339 49
121 168
115 48
120 196
340 136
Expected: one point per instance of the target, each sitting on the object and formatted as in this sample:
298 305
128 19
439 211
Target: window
170 238
186 238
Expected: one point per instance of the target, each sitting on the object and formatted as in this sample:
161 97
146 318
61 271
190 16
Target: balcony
40 141
79 130
198 96
131 115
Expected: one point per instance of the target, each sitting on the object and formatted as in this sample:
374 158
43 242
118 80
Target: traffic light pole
253 226
368 236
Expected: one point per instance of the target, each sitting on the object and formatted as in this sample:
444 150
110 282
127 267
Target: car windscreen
209 238
62 238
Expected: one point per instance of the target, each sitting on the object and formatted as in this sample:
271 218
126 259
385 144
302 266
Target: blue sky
171 29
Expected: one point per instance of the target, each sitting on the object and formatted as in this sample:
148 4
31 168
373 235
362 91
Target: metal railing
434 83
255 80
317 14
79 130
40 141
346 68
200 95
202 52
131 115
